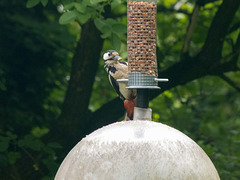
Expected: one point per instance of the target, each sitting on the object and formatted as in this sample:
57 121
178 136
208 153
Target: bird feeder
142 58
142 44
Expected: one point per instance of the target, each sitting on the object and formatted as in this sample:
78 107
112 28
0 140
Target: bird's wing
123 62
119 71
128 93
115 85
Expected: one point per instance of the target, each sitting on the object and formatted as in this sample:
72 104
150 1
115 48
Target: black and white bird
118 69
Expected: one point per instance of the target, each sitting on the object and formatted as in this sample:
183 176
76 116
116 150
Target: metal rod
161 80
142 98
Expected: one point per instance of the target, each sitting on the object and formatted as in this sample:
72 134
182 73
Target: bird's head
111 55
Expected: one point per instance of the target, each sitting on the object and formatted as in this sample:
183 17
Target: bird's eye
109 54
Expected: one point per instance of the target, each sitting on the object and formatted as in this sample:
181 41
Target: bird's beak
117 58
115 54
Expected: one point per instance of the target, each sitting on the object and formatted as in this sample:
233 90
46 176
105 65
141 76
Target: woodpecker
117 69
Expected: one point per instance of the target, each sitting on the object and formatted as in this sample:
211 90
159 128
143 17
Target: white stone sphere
137 150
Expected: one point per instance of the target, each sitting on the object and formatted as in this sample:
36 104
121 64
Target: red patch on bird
129 106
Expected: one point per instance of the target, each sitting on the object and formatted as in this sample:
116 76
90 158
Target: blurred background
54 89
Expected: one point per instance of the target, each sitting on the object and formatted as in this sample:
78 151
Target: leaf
106 34
44 2
90 10
49 150
106 30
115 3
111 21
96 1
39 132
50 163
54 145
99 23
119 28
31 142
2 86
83 18
32 3
4 146
67 17
36 145
13 156
104 27
3 160
68 6
86 2
11 135
55 2
115 42
80 7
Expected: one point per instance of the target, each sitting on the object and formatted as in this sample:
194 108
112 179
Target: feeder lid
137 150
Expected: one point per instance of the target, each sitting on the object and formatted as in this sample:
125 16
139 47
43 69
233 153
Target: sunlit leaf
83 18
69 6
119 28
96 1
99 23
68 17
39 132
106 34
115 3
115 42
55 1
168 94
32 3
80 7
44 2
111 21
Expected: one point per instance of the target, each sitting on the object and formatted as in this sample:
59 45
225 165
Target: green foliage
115 41
44 2
14 149
36 53
68 17
32 3
208 111
82 11
111 29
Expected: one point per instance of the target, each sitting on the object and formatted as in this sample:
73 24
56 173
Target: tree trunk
73 119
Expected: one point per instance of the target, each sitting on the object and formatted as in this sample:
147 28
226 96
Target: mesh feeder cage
142 61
